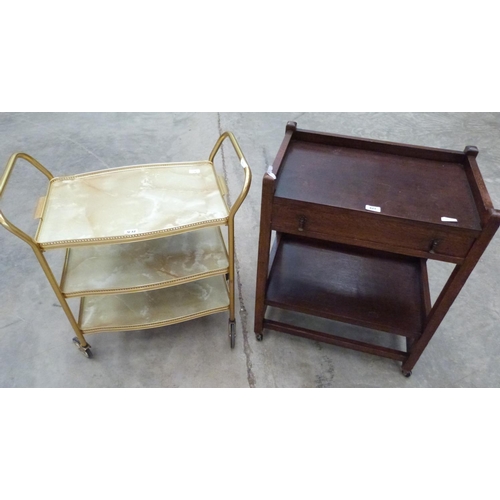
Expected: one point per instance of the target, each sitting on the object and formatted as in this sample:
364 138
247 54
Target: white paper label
448 219
269 172
131 231
194 171
372 208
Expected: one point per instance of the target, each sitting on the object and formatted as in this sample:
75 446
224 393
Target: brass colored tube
32 243
10 166
236 205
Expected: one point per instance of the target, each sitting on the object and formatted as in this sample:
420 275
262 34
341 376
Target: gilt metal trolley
144 243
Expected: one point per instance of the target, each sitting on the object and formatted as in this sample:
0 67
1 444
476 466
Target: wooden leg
263 255
450 292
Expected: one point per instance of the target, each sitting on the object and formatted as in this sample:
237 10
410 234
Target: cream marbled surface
152 263
131 202
153 308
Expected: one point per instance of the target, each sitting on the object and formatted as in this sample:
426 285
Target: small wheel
84 350
407 374
232 333
259 337
87 353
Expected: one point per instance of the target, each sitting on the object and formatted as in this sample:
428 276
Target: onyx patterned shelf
153 309
144 265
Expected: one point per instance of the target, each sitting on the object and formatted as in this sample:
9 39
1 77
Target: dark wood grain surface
404 187
359 286
367 229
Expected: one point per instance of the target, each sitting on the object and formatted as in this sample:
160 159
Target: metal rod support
236 205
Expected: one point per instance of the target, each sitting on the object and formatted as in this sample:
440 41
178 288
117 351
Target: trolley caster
232 333
407 374
85 350
259 337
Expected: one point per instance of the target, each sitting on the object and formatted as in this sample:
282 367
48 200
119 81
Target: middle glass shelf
145 265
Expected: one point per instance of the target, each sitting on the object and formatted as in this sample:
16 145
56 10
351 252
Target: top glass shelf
131 204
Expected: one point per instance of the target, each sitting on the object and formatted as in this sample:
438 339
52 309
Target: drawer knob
434 244
302 223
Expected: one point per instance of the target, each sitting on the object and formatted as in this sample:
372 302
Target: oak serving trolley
356 221
144 245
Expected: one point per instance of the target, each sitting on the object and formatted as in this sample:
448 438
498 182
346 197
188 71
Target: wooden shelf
351 178
364 287
153 309
144 265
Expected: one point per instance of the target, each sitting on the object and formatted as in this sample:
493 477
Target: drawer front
371 230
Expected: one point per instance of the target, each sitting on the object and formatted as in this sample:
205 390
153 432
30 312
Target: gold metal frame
232 213
39 250
34 246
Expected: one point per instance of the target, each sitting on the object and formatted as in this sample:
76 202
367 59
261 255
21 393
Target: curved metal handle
248 173
3 183
10 166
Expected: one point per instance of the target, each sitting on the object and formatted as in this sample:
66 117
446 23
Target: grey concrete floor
35 336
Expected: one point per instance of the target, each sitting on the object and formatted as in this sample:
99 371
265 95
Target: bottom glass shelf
151 309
